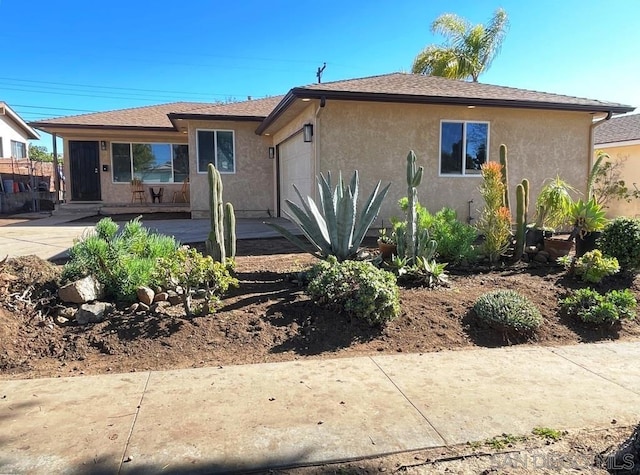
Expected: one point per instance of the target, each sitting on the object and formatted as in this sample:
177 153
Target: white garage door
295 168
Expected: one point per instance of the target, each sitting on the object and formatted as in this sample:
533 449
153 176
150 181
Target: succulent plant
333 227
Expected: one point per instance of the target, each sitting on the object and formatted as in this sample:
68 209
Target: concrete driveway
51 237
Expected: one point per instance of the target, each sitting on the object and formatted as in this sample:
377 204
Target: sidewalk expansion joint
133 424
410 401
566 358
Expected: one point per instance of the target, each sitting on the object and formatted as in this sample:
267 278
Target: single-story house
18 175
620 138
14 133
263 146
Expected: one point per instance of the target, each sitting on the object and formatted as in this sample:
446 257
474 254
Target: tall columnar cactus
525 185
414 178
505 174
221 242
229 231
522 199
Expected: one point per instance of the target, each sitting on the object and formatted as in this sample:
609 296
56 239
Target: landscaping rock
143 307
174 298
61 320
84 290
67 312
145 295
133 307
93 313
161 297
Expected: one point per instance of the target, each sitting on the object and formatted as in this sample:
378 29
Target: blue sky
70 56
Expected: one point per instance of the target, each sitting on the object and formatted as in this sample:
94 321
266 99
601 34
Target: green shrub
593 266
592 307
508 310
190 270
121 261
357 287
621 239
453 237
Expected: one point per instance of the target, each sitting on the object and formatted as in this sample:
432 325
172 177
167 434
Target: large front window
217 147
151 162
18 149
463 147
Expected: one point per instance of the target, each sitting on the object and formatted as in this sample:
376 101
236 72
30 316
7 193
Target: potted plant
589 220
553 205
386 244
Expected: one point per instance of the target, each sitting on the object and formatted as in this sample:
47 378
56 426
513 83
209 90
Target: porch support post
55 168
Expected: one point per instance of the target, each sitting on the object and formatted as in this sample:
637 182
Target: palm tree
469 49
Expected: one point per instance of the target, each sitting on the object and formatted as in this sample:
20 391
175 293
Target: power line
114 87
55 92
52 108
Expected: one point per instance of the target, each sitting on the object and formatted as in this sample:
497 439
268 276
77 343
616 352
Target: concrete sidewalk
51 237
308 412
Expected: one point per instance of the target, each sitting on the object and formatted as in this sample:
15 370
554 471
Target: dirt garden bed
269 318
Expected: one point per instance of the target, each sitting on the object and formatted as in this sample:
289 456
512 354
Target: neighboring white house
14 133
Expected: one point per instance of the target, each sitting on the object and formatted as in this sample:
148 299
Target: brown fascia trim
279 109
233 118
299 93
44 125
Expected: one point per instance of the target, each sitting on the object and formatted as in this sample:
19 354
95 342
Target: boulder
161 297
145 295
93 312
174 298
82 291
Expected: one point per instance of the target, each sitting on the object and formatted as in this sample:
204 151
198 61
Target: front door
84 161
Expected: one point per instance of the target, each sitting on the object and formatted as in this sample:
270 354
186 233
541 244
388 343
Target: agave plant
333 227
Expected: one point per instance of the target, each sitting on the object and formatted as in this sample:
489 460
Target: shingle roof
406 84
395 87
250 108
618 129
148 116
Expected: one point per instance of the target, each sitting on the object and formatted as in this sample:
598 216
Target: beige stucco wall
251 188
630 173
375 139
119 193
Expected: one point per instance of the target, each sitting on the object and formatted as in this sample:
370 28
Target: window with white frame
463 147
18 149
217 147
151 162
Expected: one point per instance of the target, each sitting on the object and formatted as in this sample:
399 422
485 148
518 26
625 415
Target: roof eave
449 100
618 143
278 110
194 116
52 125
29 131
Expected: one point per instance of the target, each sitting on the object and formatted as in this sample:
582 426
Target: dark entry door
85 176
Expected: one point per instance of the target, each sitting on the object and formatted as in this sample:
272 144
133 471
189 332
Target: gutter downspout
316 142
592 127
